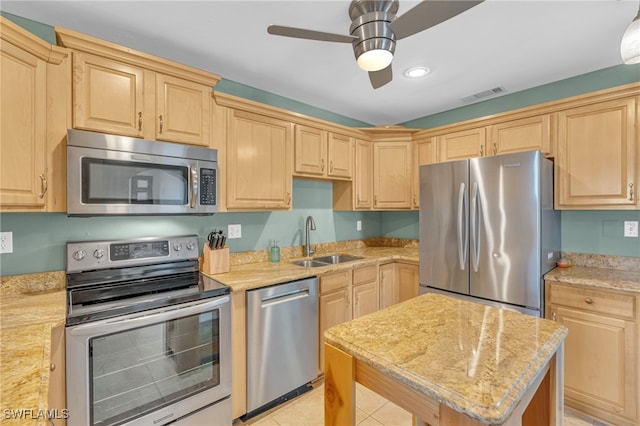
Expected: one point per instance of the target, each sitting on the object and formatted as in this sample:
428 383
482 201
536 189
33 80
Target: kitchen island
450 362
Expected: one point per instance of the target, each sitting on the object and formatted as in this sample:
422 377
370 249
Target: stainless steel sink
309 263
336 258
331 259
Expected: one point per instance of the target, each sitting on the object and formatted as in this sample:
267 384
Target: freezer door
444 206
504 216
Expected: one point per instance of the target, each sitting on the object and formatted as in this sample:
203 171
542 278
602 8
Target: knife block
215 261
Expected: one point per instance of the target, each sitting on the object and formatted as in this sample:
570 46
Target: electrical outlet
630 228
235 231
6 242
358 225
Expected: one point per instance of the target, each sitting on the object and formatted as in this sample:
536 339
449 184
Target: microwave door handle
194 185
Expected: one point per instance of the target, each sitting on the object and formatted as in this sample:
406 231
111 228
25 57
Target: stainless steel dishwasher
282 342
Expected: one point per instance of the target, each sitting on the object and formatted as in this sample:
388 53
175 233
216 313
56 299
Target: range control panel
105 254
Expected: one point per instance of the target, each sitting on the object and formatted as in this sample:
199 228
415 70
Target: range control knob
177 246
190 245
98 254
79 255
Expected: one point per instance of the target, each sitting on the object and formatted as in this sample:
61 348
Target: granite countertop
255 275
608 279
476 359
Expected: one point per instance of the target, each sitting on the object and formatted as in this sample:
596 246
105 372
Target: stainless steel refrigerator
488 231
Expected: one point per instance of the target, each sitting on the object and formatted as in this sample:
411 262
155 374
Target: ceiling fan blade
381 77
428 14
309 34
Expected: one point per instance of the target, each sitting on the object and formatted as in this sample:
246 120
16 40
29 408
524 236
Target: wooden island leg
339 387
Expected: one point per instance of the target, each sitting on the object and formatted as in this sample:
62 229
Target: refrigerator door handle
475 227
462 223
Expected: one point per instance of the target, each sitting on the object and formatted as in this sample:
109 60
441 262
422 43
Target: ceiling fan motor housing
370 23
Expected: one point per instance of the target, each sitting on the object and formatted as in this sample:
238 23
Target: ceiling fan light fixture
630 44
375 59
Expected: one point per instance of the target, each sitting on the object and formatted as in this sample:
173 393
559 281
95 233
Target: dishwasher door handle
267 302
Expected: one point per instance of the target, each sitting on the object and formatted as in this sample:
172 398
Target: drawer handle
588 301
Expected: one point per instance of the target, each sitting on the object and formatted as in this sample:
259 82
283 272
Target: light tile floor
371 410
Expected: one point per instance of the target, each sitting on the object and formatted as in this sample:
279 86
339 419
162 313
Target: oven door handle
141 319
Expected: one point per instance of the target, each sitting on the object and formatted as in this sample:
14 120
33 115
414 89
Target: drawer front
609 303
335 281
365 275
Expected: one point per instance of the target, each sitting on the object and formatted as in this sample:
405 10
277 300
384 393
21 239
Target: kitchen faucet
310 225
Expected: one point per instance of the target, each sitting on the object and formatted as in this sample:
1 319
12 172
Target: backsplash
620 263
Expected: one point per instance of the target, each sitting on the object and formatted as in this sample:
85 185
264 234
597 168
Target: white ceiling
515 44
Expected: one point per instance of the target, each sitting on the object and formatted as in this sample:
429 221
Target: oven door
149 367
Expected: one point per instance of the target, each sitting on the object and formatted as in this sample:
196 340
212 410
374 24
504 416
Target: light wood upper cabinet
596 165
115 97
425 153
322 154
107 96
122 91
601 350
259 162
35 87
392 177
463 144
527 134
358 194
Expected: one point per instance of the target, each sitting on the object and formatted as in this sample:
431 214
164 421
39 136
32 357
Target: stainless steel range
148 337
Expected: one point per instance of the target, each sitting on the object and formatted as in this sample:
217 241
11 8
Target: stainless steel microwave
119 175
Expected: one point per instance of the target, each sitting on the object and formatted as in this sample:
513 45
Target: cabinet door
340 154
182 111
462 145
392 165
23 144
389 291
363 180
365 299
259 158
526 134
600 364
408 281
107 96
334 309
310 151
596 163
57 377
425 153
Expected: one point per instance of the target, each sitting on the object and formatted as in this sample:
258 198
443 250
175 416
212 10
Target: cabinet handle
52 367
481 150
495 149
322 166
140 121
375 200
288 198
161 123
331 167
45 185
630 192
588 301
554 317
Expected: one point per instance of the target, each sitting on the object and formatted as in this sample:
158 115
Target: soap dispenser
275 252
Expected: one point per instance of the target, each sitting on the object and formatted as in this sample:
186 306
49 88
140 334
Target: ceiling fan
375 29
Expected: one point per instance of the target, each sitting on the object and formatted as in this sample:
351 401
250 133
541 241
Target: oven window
137 371
126 182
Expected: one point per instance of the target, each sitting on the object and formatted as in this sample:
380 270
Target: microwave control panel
207 187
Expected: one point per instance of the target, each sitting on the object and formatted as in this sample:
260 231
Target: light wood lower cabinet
365 291
601 350
398 282
238 354
57 377
334 305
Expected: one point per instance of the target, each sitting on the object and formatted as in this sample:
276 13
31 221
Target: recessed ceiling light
417 72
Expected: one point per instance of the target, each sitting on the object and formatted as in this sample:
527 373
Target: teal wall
39 238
